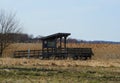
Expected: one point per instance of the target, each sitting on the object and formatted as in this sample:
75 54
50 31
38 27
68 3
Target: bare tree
9 26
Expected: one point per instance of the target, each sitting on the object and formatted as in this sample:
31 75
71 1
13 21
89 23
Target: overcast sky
84 19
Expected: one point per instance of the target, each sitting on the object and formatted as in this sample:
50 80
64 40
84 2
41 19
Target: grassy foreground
61 71
59 75
103 68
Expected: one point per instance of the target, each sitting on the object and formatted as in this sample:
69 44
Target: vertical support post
60 42
55 49
60 49
42 48
47 48
65 50
28 53
55 43
65 42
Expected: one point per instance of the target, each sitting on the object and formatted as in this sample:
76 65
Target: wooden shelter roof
54 36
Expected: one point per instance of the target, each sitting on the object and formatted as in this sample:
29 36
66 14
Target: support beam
60 42
65 42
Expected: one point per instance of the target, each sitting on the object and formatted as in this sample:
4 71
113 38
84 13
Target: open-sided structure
54 44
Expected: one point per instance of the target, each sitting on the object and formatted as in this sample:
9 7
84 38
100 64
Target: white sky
84 19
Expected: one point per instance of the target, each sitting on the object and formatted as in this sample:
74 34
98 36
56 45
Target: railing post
28 53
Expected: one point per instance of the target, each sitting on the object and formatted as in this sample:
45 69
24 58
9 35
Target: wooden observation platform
55 45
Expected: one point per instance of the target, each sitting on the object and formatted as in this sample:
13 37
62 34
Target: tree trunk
1 50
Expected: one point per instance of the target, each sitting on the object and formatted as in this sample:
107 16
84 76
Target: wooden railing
75 53
80 53
27 53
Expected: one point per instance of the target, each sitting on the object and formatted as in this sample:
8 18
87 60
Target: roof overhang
55 36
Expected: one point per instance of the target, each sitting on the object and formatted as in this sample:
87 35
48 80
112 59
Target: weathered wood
62 53
80 53
24 53
50 42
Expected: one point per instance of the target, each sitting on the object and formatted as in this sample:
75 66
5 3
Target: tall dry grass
107 55
57 63
101 51
21 46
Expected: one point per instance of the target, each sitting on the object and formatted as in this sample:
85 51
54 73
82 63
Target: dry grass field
20 46
58 71
101 51
104 67
58 63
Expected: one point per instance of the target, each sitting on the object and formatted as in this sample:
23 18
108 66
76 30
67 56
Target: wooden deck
75 53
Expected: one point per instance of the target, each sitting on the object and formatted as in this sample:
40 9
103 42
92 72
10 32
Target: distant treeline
71 40
100 42
20 37
26 38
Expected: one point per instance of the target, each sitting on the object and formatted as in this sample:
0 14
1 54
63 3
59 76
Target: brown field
104 67
101 51
58 63
104 55
20 46
59 71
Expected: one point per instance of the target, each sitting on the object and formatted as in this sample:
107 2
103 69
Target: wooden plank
24 53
